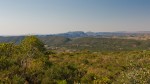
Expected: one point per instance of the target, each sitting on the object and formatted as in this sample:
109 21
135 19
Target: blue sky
19 17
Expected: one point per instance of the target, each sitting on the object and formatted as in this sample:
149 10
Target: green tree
31 43
32 46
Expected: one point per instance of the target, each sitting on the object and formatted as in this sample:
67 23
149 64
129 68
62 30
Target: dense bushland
29 62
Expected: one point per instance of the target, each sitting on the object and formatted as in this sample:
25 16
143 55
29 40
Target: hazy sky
56 16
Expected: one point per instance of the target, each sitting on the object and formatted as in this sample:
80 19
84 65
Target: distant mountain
100 34
73 34
76 34
94 41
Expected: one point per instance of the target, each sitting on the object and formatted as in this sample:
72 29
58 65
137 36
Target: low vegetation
31 63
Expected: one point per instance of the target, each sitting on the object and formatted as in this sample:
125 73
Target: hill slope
107 44
87 43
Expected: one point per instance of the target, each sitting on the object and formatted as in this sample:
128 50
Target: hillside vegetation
90 43
107 44
31 63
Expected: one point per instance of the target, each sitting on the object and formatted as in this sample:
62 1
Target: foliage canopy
28 63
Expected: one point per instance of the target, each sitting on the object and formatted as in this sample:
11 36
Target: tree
32 45
31 42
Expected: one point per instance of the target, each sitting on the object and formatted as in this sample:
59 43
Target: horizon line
34 34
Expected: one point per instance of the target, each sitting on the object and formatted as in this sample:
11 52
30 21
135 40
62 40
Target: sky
19 17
